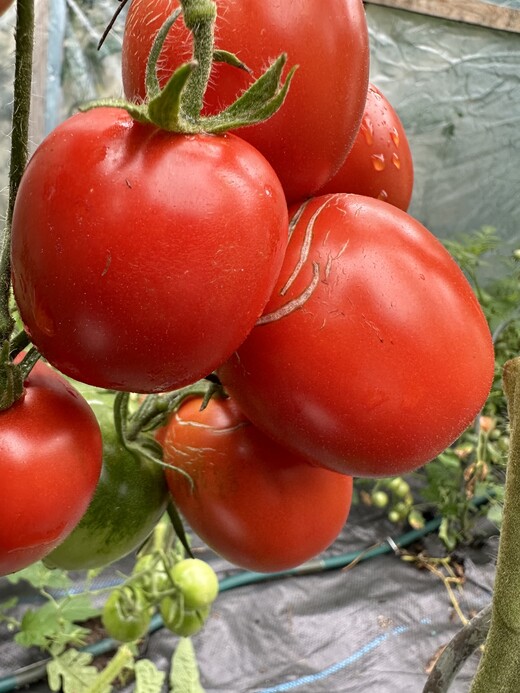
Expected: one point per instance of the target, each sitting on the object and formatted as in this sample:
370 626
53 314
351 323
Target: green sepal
261 101
152 86
165 109
221 56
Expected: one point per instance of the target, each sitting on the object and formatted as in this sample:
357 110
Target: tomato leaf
38 576
72 672
53 627
184 674
148 679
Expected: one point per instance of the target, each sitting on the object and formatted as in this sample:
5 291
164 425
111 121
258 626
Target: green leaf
148 679
184 674
54 623
78 608
72 672
8 605
38 576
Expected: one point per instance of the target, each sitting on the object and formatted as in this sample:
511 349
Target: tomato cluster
152 248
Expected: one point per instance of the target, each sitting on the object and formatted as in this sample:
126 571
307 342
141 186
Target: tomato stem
199 17
499 669
19 149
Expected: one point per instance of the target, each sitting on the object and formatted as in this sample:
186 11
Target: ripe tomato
377 354
147 270
253 502
307 140
50 461
130 498
380 162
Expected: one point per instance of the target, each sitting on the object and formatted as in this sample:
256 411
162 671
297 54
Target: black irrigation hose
37 671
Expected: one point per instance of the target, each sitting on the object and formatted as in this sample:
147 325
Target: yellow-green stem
499 670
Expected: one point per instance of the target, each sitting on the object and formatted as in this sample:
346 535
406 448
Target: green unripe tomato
197 582
126 615
394 516
379 499
182 622
129 500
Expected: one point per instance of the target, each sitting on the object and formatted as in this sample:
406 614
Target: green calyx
177 107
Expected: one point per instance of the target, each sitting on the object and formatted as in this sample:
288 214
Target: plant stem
455 654
121 660
499 669
19 148
199 17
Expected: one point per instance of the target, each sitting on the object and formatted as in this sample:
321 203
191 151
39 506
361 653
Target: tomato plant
380 162
129 500
373 354
126 614
182 622
50 460
147 270
253 502
309 137
197 582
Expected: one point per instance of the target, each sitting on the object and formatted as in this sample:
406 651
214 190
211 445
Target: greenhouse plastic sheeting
375 627
456 88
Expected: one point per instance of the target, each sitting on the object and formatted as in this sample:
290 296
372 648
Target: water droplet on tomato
383 195
378 162
395 136
396 160
367 128
268 191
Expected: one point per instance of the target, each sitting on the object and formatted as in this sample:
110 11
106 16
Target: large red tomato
255 503
50 462
380 162
141 258
309 137
373 354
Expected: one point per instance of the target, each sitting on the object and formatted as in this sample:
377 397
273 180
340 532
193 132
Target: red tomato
4 5
141 259
50 462
380 162
253 502
307 140
377 355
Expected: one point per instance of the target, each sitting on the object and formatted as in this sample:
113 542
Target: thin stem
19 148
457 651
499 669
199 17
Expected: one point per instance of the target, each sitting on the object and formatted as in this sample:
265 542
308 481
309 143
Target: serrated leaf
37 625
184 674
148 678
55 621
39 577
72 672
78 608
